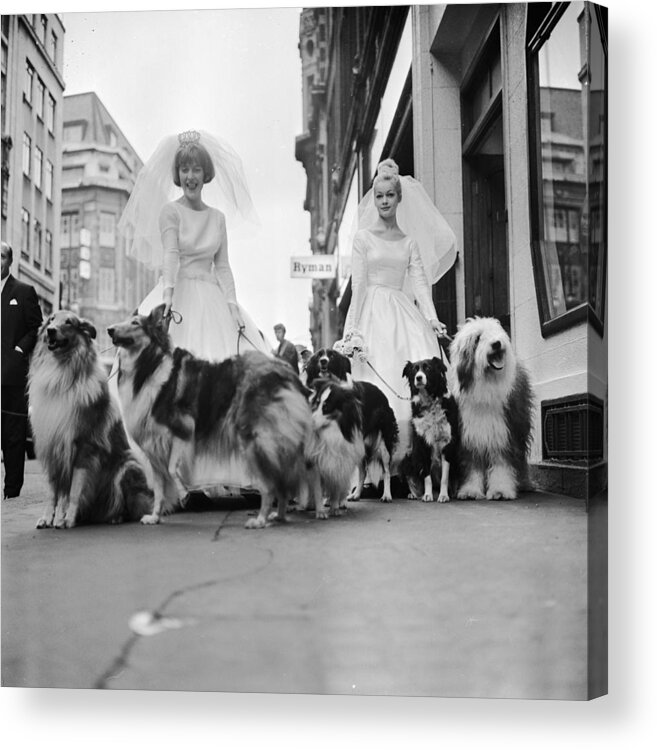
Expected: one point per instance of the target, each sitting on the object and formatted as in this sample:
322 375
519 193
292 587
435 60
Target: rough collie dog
495 402
339 447
434 420
250 408
380 431
79 436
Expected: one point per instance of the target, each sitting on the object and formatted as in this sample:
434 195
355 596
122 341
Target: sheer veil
418 218
154 187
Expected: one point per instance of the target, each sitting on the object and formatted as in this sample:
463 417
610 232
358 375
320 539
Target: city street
462 599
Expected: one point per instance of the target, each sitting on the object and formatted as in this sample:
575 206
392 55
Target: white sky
235 73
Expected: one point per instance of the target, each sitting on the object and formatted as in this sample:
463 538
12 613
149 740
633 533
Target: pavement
463 599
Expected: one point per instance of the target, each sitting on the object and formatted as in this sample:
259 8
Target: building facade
99 167
500 110
32 96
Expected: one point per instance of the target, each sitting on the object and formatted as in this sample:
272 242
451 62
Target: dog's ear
438 364
157 315
86 326
407 372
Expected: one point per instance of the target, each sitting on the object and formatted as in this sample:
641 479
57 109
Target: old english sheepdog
495 403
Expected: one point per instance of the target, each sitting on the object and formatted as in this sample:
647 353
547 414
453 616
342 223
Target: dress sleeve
420 283
358 282
169 232
222 269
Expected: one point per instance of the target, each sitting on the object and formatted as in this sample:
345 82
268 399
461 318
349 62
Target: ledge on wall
576 479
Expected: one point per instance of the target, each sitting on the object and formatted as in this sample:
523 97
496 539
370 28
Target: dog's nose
323 360
110 332
496 346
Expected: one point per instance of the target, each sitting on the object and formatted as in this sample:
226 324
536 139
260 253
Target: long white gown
196 265
394 329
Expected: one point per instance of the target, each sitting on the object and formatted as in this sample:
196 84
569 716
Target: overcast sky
235 73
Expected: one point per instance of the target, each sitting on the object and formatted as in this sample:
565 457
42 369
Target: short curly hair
193 153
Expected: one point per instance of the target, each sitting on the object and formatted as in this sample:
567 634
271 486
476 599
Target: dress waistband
207 276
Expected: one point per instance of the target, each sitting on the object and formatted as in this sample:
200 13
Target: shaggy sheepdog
379 425
434 420
250 408
339 447
495 402
79 437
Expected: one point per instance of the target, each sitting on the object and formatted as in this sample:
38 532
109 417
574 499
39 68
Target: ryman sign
313 267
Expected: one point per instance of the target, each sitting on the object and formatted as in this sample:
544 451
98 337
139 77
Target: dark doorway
486 249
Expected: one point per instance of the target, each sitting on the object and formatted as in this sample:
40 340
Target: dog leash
446 337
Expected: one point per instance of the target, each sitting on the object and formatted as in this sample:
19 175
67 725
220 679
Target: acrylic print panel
498 112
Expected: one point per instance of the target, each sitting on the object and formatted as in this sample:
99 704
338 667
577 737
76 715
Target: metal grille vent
573 428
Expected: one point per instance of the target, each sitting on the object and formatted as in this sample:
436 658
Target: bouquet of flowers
352 345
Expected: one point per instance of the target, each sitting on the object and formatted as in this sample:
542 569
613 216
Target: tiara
189 136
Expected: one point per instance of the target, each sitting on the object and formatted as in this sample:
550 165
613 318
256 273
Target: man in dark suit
21 319
286 349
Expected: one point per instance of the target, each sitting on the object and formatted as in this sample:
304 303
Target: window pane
563 166
27 154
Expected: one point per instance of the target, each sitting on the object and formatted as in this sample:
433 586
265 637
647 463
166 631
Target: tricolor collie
249 408
339 447
495 402
79 437
434 420
379 425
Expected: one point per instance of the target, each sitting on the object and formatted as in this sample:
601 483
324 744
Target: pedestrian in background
21 320
286 349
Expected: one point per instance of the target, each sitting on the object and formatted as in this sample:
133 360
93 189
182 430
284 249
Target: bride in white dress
186 239
388 277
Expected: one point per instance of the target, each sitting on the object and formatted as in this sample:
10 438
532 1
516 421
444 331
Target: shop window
567 72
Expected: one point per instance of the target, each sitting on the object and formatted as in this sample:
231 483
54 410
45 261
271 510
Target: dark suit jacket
21 320
288 351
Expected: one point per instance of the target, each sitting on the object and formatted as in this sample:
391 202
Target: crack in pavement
121 662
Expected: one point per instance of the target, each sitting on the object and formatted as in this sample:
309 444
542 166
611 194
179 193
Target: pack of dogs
315 445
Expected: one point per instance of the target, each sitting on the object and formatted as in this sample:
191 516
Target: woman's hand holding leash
439 328
236 315
167 298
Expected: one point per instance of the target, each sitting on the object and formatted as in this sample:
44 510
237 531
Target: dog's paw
255 523
150 520
385 499
499 495
322 514
335 512
427 497
443 498
65 523
354 496
44 523
470 493
273 516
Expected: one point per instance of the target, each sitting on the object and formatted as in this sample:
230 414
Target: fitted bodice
387 261
195 246
376 263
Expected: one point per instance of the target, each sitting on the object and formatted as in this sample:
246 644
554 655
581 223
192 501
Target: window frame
28 83
27 155
584 312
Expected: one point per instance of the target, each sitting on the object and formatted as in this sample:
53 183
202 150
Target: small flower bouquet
352 345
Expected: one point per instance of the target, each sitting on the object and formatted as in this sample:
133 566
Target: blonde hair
388 171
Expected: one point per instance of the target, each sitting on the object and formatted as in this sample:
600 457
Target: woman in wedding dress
186 239
389 276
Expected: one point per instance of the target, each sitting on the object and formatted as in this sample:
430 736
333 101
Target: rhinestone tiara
189 136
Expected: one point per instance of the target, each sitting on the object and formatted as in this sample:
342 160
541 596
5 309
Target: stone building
98 280
500 110
32 95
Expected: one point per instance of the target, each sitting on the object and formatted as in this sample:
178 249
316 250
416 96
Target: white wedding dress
395 330
196 265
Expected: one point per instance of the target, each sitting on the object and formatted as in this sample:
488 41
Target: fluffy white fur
495 405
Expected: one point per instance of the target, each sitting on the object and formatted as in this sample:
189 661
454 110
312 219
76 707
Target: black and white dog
379 425
250 408
434 443
339 447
